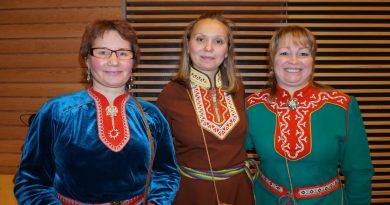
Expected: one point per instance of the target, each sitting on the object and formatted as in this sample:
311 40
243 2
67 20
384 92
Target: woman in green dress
303 131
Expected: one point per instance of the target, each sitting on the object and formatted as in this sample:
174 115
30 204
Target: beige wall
39 42
6 190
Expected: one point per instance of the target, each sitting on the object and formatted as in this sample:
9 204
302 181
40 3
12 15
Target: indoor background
39 42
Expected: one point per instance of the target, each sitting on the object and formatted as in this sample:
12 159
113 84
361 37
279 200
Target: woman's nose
294 59
113 59
208 46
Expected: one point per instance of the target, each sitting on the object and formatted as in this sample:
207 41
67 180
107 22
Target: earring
225 63
88 75
130 82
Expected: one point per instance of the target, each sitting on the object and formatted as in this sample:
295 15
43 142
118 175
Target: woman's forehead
297 39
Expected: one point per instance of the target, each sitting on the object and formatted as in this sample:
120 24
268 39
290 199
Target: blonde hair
228 71
300 36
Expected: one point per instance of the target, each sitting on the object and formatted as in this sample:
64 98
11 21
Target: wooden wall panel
60 45
57 15
47 4
39 43
353 54
15 133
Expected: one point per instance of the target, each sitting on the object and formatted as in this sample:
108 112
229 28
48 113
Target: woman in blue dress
92 146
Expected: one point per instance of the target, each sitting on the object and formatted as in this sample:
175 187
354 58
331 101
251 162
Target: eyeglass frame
112 51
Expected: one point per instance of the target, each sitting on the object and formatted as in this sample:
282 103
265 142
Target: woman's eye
104 52
122 53
283 53
305 54
200 39
220 41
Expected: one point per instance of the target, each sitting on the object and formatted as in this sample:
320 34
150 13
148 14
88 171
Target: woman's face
208 45
110 72
293 64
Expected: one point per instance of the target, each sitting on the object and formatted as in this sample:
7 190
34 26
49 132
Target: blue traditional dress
301 140
80 148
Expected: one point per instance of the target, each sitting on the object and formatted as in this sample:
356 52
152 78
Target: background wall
39 42
353 55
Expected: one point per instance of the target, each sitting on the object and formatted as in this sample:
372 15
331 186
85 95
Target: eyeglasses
105 53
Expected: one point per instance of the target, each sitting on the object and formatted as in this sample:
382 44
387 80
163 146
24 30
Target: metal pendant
111 111
292 103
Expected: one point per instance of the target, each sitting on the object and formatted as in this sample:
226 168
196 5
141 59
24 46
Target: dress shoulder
148 106
171 92
337 97
261 96
64 103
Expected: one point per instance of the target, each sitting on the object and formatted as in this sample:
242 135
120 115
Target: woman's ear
86 61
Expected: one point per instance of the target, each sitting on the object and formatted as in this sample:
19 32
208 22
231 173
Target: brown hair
227 67
301 36
99 27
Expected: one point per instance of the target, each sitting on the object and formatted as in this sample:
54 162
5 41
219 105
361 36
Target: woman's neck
110 93
211 75
292 90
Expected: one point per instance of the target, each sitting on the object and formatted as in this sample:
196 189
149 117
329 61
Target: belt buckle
116 203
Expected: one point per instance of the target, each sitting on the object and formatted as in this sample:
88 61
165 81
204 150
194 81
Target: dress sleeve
355 160
34 179
163 99
248 144
165 176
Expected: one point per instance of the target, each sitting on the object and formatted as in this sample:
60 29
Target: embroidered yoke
215 109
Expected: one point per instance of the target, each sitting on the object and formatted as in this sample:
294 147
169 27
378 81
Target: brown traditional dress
224 122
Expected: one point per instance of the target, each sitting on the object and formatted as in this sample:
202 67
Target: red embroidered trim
318 190
104 122
257 98
293 127
272 186
211 114
137 200
306 192
207 116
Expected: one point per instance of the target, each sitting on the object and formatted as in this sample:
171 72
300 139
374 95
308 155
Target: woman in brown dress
204 105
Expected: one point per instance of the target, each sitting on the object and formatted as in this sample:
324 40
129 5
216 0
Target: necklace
292 103
112 111
215 103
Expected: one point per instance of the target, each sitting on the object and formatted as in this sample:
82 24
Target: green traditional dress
301 140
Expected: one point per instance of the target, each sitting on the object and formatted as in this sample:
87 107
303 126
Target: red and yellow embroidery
214 108
292 137
113 129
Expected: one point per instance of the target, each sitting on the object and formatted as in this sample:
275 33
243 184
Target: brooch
292 103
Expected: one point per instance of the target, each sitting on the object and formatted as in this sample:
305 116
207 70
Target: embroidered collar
293 135
201 79
214 108
284 98
293 128
113 128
